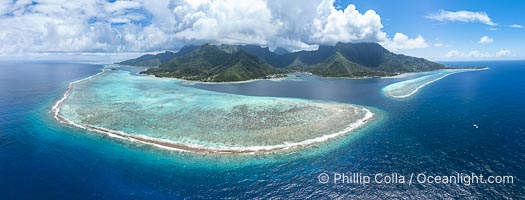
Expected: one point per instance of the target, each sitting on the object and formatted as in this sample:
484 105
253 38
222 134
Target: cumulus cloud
140 25
516 26
485 40
347 25
461 16
401 41
470 54
475 54
228 22
65 26
503 53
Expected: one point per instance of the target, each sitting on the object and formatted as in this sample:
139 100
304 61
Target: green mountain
272 58
149 60
370 55
339 66
243 62
377 61
216 64
280 51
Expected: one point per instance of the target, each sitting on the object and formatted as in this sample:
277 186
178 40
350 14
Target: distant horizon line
112 57
92 61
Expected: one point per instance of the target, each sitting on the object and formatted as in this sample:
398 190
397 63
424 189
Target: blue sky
409 17
118 29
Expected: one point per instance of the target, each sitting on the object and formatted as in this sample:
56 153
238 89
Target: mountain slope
243 66
339 66
149 60
272 58
243 62
215 64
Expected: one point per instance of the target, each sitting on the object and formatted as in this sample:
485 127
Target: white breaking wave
392 88
56 107
196 148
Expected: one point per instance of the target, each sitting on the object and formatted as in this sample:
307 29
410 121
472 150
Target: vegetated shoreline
284 76
194 148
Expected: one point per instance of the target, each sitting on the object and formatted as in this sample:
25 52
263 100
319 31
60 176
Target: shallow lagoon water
430 132
119 102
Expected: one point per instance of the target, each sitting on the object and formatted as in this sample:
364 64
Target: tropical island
227 63
176 117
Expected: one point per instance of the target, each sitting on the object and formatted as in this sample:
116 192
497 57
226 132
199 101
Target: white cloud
503 53
319 22
461 16
515 26
231 22
346 25
401 41
64 26
475 54
485 40
120 6
470 54
141 25
4 7
438 44
102 58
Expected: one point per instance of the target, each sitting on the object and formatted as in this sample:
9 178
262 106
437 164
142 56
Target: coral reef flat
163 113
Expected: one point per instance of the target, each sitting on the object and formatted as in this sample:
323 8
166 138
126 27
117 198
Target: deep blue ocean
432 133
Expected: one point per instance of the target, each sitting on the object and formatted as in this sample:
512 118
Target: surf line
385 89
195 148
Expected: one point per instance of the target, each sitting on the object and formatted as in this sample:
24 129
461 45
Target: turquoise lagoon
166 114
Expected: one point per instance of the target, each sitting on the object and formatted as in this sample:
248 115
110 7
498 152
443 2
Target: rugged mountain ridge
243 62
216 64
150 60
